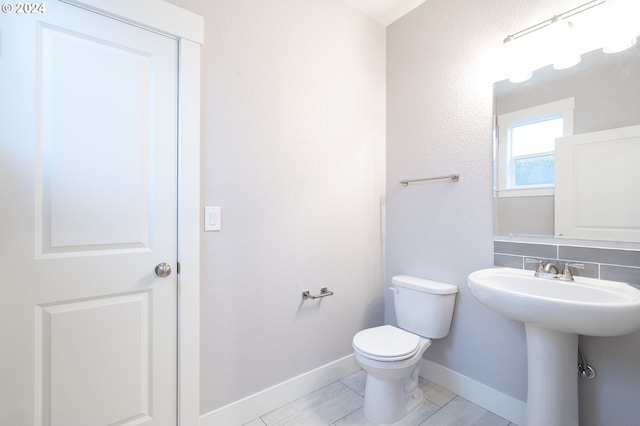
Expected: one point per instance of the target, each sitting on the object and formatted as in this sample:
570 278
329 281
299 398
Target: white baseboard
480 394
252 407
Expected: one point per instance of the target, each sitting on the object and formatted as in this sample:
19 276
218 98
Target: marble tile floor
340 404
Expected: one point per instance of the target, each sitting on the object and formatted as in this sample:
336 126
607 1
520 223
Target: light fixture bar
540 25
581 8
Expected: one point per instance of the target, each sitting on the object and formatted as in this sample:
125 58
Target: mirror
604 91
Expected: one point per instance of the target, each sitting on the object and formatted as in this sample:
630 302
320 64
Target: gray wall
524 215
442 60
293 109
440 78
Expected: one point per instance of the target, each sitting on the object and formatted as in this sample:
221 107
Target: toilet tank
423 307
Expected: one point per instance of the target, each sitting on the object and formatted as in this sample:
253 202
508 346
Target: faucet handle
567 270
539 267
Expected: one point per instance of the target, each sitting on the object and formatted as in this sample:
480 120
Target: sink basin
585 306
555 312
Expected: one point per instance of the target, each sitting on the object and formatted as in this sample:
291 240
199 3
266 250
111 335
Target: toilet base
389 400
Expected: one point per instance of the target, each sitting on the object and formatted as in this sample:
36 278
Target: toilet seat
386 343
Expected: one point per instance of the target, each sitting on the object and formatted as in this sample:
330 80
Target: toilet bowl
391 391
391 356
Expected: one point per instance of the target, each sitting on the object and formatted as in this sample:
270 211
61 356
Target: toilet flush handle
395 290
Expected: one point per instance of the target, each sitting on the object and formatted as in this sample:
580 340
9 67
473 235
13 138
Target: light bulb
518 68
562 44
618 33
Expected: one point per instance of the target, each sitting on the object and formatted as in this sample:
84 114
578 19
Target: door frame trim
188 29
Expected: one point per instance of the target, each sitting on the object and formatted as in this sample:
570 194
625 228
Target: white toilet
391 356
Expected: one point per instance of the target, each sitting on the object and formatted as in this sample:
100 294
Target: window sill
539 191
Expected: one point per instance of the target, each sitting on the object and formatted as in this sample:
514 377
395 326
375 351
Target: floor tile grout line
310 406
313 407
345 416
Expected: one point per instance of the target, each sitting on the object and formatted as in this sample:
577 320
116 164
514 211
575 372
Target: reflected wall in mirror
603 91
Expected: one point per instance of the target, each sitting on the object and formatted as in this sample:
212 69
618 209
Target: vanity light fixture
558 40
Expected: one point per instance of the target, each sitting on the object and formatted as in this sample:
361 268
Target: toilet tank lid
422 284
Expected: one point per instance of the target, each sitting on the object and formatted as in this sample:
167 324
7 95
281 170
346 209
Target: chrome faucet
541 268
551 268
551 271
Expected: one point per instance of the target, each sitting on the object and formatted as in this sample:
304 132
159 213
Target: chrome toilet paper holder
324 292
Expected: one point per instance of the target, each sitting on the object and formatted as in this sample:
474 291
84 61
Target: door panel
88 196
112 155
114 334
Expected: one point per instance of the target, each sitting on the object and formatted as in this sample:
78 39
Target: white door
88 201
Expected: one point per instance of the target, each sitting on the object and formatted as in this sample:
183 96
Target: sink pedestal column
552 390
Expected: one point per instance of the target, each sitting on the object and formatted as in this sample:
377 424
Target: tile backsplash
604 263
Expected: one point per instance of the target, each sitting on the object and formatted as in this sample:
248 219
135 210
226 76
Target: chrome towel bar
453 178
324 292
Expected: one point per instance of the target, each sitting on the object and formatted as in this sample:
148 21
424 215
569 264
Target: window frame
505 162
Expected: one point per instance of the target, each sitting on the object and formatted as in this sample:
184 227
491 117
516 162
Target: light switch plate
212 219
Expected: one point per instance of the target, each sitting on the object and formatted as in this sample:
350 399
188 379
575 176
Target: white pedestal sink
555 312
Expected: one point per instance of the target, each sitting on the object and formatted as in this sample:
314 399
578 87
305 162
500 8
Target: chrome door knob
163 270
